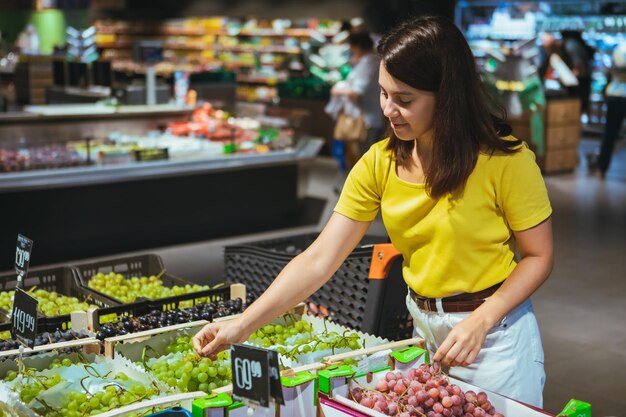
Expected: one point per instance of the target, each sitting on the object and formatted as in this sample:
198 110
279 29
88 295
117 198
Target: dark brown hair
431 54
361 39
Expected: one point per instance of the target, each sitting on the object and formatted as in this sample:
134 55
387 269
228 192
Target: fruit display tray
140 308
63 280
146 265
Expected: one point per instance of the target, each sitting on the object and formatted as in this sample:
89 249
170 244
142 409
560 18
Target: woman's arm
305 274
464 342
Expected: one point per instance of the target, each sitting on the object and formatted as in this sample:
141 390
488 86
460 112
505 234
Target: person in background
358 95
459 197
549 45
28 40
579 58
615 94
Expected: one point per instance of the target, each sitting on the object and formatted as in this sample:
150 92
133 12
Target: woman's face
409 110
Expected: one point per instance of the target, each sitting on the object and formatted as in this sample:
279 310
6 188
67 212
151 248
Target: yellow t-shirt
450 245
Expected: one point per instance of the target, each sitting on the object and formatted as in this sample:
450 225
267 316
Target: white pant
511 359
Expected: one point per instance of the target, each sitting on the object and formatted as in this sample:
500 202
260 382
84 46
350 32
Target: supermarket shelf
272 49
70 112
154 31
236 65
296 33
172 46
306 149
275 49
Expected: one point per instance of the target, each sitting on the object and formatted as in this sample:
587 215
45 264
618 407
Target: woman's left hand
463 343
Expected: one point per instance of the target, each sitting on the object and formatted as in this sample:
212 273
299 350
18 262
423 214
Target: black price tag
256 376
276 387
24 318
22 255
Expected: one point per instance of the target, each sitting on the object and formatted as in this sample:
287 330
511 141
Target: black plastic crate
44 324
141 308
349 298
147 265
63 280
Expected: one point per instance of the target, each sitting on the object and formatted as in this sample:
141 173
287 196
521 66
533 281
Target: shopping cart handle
383 257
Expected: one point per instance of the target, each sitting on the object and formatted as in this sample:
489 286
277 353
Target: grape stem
82 380
89 369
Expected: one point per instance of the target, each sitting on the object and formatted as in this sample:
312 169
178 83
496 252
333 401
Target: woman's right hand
215 337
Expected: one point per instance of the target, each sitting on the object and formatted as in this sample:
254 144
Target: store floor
581 308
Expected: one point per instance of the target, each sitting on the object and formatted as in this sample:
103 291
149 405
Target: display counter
42 124
80 212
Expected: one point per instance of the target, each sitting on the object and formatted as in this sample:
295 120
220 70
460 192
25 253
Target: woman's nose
389 110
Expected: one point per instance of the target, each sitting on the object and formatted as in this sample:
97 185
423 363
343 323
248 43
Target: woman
358 96
456 196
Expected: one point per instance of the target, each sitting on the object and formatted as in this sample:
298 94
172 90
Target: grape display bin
140 266
366 293
63 280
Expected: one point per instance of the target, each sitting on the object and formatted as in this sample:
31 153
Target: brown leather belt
460 303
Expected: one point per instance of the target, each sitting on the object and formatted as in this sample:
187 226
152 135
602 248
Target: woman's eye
404 102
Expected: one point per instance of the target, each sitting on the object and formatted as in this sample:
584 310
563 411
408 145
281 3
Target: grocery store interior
199 133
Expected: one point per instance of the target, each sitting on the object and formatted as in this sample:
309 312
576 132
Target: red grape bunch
423 392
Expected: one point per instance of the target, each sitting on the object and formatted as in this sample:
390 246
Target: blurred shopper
28 40
549 45
578 55
615 94
458 196
355 101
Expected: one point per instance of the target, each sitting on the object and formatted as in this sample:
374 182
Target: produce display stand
314 389
315 381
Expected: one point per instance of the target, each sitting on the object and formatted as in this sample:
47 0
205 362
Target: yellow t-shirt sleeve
523 196
360 197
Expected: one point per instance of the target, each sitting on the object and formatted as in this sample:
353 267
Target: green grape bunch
83 403
299 338
184 371
33 382
128 290
51 303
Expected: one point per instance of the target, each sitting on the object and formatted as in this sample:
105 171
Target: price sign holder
276 387
24 312
256 376
22 258
24 318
